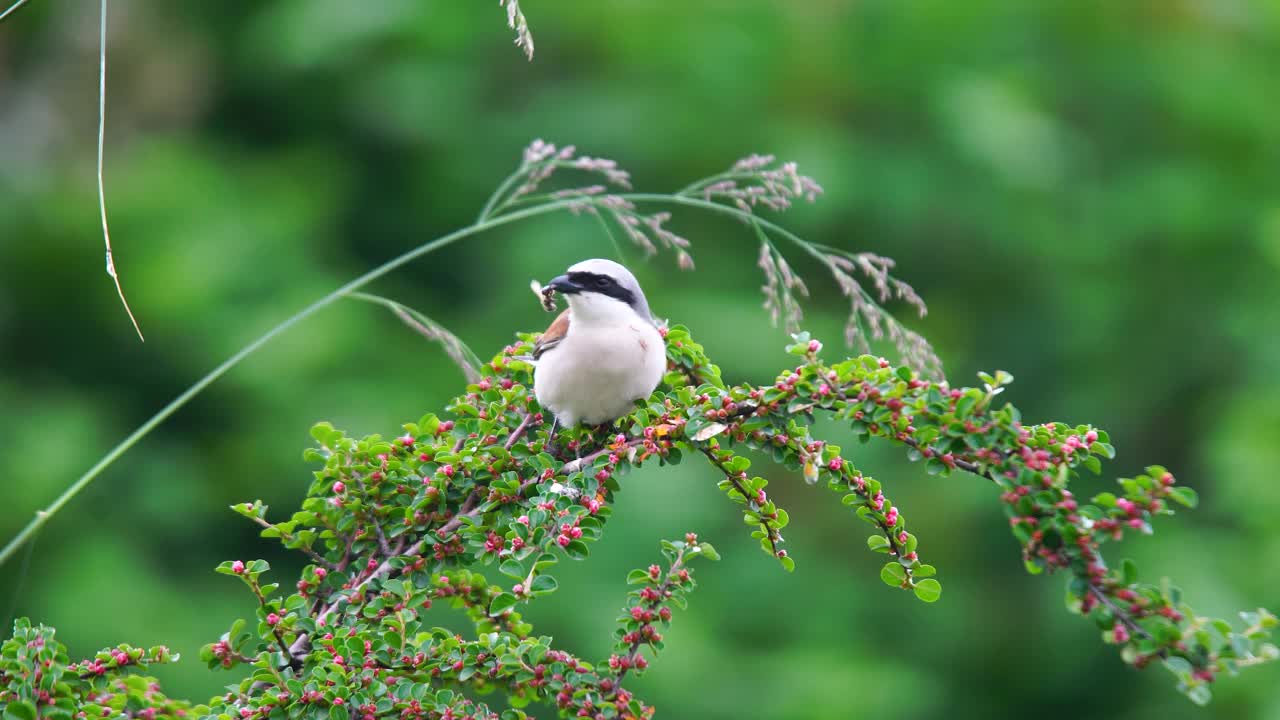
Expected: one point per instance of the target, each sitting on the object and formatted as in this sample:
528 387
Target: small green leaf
928 590
708 551
511 568
1185 496
1128 572
20 710
543 583
502 602
1200 695
893 574
878 543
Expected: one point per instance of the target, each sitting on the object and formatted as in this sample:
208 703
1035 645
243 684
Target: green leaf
1185 496
708 551
878 543
928 590
20 710
893 574
1200 695
502 602
1128 571
322 432
543 584
511 568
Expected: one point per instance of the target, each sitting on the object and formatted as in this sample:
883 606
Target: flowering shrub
393 526
38 680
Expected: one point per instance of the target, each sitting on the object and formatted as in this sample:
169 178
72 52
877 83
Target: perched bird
601 354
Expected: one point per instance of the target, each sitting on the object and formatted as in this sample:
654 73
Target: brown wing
552 336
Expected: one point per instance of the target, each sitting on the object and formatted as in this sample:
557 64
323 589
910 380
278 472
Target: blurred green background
1087 194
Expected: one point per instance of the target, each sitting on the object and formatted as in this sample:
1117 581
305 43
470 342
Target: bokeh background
1087 194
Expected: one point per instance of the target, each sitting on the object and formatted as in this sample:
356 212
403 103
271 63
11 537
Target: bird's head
602 291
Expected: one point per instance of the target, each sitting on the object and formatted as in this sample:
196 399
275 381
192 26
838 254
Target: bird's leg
551 437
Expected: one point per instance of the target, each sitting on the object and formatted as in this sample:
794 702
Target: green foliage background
1087 193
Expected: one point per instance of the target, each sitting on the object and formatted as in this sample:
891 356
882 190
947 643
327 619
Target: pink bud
321 572
814 346
339 488
1091 437
563 540
273 619
237 567
447 470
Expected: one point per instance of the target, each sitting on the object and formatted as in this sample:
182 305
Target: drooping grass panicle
761 181
457 350
867 316
542 160
517 21
757 180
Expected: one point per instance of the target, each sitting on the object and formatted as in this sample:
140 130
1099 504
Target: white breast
596 374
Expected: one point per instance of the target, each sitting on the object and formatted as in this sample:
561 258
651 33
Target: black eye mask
603 285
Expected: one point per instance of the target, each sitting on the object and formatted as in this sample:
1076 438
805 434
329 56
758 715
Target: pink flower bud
321 573
447 471
339 488
273 619
563 540
237 567
814 346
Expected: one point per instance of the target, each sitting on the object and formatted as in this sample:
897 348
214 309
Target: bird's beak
564 285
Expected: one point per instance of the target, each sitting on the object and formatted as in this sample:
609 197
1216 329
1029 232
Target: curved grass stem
43 516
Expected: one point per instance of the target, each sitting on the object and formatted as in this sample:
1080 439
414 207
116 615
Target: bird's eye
602 282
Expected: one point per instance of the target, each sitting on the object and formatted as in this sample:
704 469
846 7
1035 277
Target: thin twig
102 128
518 432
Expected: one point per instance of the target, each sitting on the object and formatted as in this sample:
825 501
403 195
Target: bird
602 353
